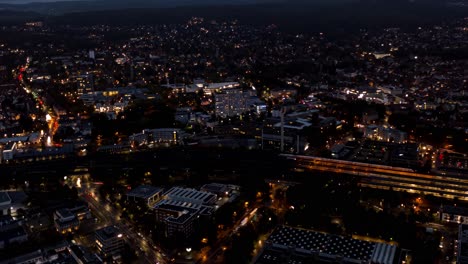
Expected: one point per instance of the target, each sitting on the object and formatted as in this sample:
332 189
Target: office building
235 101
109 240
453 214
179 217
65 221
85 84
190 196
11 201
158 135
181 207
145 193
81 255
221 190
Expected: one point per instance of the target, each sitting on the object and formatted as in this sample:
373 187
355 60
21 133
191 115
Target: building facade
232 102
109 241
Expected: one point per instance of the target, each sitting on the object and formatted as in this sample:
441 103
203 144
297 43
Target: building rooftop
185 210
308 242
144 191
215 187
177 193
65 213
82 255
108 232
4 198
12 233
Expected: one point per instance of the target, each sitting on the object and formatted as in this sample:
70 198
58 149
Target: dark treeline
298 17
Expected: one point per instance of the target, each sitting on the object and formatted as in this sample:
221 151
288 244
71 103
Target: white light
48 117
188 249
119 235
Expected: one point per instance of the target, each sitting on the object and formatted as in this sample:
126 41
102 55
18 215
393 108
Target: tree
26 122
242 246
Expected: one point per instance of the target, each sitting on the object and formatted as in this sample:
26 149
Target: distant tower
92 55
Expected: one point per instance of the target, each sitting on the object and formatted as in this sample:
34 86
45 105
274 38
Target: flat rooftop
65 213
215 187
144 191
108 232
308 242
177 193
4 198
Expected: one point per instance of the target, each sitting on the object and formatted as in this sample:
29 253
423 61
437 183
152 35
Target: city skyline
232 134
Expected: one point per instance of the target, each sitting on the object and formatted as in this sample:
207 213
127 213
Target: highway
387 177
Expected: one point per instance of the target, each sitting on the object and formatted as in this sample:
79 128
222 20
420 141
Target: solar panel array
324 243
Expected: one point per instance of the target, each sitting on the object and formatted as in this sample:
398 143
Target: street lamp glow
188 249
48 118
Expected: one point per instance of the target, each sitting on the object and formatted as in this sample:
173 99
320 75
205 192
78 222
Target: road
51 117
109 215
387 177
225 236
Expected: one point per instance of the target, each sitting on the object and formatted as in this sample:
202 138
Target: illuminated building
146 193
158 135
231 102
453 214
85 84
181 207
109 240
65 221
